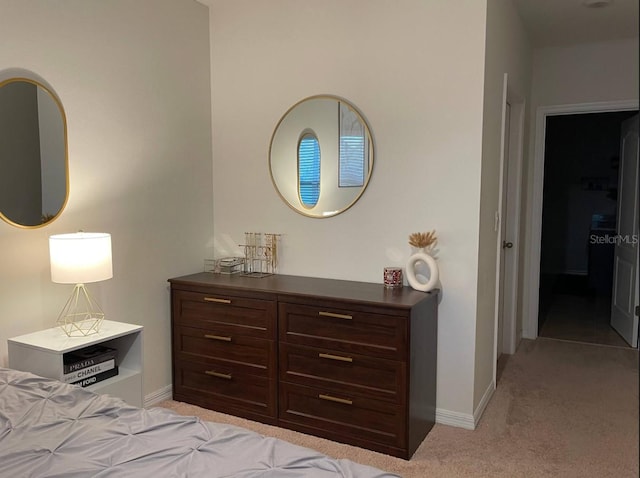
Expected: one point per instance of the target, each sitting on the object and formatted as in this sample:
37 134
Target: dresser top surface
369 292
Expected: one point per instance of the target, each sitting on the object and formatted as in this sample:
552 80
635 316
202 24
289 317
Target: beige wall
415 69
507 51
133 78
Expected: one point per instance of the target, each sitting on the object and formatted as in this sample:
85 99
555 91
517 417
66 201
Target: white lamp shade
80 257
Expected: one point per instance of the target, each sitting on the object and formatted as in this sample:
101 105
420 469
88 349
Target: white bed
52 429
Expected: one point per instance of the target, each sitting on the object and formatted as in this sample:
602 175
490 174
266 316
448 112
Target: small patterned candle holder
392 277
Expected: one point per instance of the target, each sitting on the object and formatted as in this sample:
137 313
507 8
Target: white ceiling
567 22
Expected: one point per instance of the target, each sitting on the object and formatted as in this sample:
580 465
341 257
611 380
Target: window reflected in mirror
309 170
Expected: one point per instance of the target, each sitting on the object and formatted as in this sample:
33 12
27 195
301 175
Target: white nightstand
42 353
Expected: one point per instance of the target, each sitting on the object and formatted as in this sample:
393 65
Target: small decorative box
225 265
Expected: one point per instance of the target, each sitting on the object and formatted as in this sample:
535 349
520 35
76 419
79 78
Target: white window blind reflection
309 170
353 147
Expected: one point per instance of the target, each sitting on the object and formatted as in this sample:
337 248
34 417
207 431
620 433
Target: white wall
586 73
507 51
133 78
415 70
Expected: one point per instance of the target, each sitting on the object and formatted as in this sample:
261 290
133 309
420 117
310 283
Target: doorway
581 163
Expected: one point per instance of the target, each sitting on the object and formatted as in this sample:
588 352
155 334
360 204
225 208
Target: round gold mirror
34 183
321 156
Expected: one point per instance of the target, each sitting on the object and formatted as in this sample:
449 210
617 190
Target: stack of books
90 365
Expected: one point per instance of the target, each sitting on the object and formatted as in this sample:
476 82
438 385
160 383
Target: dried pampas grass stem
423 240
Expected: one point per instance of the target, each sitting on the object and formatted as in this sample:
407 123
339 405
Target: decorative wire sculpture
260 254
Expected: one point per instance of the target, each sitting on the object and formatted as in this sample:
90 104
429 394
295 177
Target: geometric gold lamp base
81 315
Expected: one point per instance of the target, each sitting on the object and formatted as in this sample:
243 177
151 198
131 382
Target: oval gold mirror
34 183
321 156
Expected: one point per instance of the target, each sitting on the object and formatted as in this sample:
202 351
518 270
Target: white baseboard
568 272
465 420
575 272
455 419
488 393
165 393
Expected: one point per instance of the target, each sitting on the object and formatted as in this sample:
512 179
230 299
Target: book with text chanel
89 371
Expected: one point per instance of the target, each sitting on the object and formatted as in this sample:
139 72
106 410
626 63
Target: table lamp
80 258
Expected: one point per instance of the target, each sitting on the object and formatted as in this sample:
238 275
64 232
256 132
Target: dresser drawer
344 329
344 373
226 386
228 314
342 415
252 355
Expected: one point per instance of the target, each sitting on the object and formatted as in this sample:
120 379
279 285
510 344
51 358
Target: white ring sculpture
433 272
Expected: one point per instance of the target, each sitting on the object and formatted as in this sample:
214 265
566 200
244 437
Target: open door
624 298
509 328
503 231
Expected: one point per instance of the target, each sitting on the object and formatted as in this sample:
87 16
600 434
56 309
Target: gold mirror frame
60 165
312 114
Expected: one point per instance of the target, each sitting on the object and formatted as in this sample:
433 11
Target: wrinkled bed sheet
52 429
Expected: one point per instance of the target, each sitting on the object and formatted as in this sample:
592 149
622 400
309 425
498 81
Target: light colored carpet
561 409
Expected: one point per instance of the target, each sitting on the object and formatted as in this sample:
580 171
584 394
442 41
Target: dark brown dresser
349 361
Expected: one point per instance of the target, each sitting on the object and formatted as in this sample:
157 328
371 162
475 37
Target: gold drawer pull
226 376
337 316
335 357
218 337
335 399
219 301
